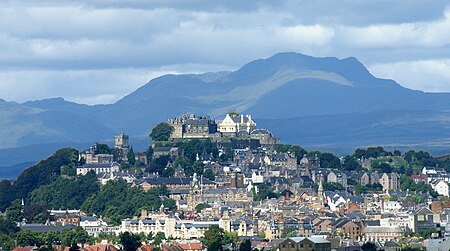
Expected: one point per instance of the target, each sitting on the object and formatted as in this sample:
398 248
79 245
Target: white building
382 234
440 186
237 123
257 178
391 206
98 168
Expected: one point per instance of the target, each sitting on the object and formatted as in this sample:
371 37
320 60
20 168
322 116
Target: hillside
311 101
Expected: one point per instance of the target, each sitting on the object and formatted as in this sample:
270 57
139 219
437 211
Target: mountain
315 102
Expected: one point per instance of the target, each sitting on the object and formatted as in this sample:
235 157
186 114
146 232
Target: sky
97 51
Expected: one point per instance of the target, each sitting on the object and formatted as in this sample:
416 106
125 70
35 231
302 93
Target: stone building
121 142
192 126
233 124
390 181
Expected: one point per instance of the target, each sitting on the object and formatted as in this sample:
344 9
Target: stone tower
195 193
121 142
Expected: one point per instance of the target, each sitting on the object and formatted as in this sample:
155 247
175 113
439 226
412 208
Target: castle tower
121 142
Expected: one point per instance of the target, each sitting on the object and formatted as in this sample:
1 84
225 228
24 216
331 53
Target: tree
328 160
245 245
369 246
161 132
129 241
36 213
159 237
74 247
214 238
209 174
15 211
350 164
28 238
131 157
201 206
427 233
40 174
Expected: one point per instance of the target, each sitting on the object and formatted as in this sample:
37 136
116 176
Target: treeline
41 187
40 174
10 236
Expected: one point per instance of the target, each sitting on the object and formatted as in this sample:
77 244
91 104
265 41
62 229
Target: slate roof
171 181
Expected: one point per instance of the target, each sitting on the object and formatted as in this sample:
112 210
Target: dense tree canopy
214 238
161 132
129 241
117 200
66 193
40 174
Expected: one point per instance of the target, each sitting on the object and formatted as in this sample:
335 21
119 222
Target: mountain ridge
304 91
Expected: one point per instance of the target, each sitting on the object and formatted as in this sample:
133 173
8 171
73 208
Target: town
228 185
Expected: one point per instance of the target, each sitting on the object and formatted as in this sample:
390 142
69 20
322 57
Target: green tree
328 160
369 246
74 247
264 192
36 213
201 206
427 233
350 164
131 157
40 174
66 193
159 237
161 132
28 238
209 174
214 238
129 241
15 211
245 245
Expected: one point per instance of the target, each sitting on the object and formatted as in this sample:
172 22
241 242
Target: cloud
60 48
429 75
83 86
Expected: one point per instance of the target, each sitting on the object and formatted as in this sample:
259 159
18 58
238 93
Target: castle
232 126
192 126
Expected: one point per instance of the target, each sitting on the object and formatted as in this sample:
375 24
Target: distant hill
315 102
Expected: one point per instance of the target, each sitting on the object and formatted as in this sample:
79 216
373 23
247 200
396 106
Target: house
98 168
390 181
234 123
419 178
424 219
440 186
365 179
304 244
346 227
171 183
337 177
264 136
382 233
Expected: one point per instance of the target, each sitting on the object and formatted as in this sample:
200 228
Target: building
305 244
234 123
121 142
192 126
440 186
98 168
171 183
382 233
424 219
390 181
264 136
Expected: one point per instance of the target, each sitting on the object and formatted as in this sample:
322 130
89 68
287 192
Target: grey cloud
79 43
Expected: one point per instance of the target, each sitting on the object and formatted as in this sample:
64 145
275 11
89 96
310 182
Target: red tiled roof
191 246
27 248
